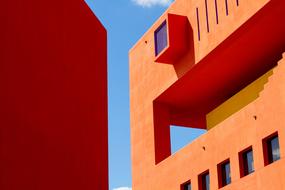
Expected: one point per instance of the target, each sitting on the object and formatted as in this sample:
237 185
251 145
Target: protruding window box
172 39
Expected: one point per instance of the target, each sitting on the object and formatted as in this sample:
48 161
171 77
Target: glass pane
161 38
227 173
275 149
187 186
249 159
207 177
206 181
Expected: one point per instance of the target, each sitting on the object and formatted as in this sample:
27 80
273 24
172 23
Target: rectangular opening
207 16
204 181
227 7
186 186
161 38
181 136
198 23
246 162
224 173
217 13
271 150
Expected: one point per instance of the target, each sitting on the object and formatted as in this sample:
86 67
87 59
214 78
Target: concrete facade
53 96
229 81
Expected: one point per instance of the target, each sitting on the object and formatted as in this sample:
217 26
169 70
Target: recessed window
246 162
204 181
186 186
160 36
224 173
271 149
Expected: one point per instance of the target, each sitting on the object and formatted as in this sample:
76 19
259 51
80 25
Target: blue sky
126 21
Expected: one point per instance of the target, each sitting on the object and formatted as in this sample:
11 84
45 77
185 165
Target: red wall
53 96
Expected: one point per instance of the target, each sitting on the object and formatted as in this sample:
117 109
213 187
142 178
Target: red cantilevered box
172 39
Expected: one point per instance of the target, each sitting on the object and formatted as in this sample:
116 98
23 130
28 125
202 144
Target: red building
53 96
215 65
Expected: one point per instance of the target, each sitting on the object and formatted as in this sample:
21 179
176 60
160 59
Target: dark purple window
160 36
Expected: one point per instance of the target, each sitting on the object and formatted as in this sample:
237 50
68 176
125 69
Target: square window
224 173
186 186
246 162
204 181
271 149
160 36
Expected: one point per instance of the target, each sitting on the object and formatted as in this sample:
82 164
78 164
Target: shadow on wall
186 62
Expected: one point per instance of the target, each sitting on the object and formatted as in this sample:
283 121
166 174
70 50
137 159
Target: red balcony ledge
244 56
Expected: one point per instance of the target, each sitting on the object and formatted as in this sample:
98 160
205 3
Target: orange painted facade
230 80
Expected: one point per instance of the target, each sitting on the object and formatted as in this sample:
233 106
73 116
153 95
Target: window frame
163 24
182 186
222 174
244 171
202 180
267 149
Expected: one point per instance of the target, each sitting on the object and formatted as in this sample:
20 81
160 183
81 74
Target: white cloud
150 3
123 188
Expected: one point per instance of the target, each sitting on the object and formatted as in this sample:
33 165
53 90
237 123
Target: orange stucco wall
149 79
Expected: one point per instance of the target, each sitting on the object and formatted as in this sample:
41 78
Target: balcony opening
181 136
168 138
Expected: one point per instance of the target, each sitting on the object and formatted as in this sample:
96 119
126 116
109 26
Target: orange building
215 65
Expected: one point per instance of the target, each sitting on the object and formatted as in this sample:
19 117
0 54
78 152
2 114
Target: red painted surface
53 96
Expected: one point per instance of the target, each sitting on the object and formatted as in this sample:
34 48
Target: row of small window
271 154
